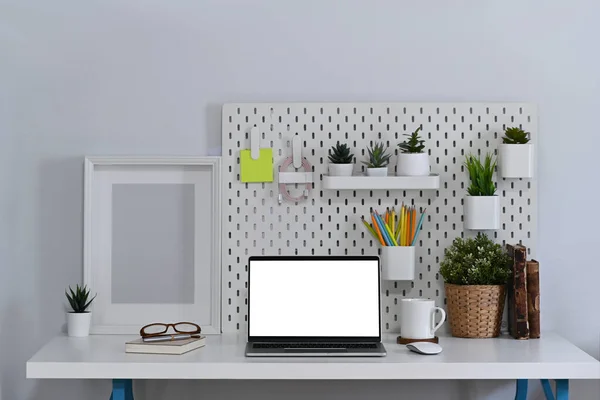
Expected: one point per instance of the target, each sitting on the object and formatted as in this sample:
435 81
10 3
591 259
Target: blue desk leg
562 389
547 389
521 389
122 389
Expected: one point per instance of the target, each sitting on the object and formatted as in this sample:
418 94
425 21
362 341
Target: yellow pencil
398 223
402 227
406 228
387 228
393 222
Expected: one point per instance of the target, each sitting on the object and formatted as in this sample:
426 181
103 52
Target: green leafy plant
78 298
340 154
378 156
515 136
481 175
414 143
475 261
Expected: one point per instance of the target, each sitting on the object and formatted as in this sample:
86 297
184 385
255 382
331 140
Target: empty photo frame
152 241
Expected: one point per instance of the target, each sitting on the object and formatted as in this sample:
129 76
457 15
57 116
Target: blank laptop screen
314 298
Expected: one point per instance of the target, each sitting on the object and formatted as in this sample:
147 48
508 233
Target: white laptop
314 306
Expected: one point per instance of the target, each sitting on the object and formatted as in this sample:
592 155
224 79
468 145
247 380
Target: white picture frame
101 176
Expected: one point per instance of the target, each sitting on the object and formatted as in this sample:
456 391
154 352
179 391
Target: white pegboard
329 221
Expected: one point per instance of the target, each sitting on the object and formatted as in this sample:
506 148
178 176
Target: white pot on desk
78 324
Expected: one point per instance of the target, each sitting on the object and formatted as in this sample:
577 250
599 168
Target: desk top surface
104 357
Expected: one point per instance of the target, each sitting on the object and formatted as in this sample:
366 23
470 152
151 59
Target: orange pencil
407 236
377 229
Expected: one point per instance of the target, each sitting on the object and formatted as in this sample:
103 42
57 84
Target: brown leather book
533 298
518 320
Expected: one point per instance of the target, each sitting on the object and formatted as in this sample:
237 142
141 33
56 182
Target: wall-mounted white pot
516 160
398 263
78 324
412 164
482 212
377 171
340 169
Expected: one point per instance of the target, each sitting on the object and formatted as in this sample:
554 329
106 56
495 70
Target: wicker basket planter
475 311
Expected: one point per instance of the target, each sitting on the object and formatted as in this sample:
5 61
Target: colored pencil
390 236
414 225
419 225
376 227
369 228
382 226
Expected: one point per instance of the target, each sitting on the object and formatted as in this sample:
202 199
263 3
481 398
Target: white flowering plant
475 261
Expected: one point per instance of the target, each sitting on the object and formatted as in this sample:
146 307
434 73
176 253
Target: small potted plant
341 160
413 160
475 273
79 319
481 206
516 154
378 160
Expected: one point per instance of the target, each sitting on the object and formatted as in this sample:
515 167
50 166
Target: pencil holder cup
398 263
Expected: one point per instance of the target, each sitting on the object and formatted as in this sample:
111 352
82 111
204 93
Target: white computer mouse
425 348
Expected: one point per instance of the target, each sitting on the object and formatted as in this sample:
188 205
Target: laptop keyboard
314 345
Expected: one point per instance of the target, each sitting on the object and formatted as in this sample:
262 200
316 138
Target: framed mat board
152 241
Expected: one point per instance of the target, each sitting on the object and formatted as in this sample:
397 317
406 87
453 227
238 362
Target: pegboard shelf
362 182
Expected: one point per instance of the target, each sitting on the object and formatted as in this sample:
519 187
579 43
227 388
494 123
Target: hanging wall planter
516 160
413 160
516 154
482 212
481 206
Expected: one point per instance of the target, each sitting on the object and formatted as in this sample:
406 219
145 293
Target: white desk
104 357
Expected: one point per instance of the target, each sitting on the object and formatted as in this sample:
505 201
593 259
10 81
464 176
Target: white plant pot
78 324
412 164
398 263
340 169
482 212
516 160
377 171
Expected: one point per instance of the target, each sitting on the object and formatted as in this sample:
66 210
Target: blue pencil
386 237
418 228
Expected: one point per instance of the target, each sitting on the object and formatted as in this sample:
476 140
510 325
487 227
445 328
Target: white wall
148 77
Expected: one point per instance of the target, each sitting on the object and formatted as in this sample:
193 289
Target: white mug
417 318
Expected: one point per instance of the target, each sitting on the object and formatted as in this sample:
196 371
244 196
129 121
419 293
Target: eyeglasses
158 328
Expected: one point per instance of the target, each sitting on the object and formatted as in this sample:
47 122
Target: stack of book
178 346
523 295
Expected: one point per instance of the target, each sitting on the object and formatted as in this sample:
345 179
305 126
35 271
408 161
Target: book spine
518 321
533 298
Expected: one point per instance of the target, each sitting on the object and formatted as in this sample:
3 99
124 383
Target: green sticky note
260 170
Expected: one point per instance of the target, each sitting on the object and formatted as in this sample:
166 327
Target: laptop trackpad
310 350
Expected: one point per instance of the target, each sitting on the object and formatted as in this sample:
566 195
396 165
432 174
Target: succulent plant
414 143
515 136
340 154
481 175
475 261
378 156
78 299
